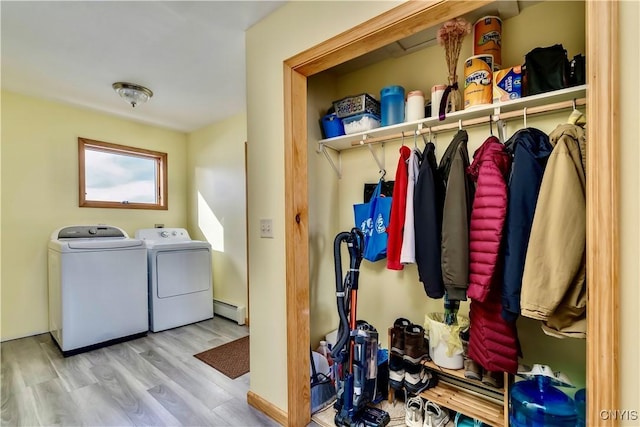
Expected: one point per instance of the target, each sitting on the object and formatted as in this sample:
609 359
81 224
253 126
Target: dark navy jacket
428 200
530 149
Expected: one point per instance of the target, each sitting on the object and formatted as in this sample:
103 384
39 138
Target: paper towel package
507 84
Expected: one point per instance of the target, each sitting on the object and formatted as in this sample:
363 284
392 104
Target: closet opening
304 70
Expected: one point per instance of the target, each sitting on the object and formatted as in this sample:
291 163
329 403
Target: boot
397 336
416 345
472 370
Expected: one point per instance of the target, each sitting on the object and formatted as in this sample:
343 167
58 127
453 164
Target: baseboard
230 311
267 408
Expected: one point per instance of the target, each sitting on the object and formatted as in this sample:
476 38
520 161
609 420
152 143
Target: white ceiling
191 54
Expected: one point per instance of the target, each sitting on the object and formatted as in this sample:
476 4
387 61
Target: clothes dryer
180 278
97 287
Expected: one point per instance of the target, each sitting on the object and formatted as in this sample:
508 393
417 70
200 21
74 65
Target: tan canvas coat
553 283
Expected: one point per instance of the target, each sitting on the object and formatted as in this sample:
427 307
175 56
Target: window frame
107 147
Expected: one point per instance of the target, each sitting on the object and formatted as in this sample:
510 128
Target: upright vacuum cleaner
356 349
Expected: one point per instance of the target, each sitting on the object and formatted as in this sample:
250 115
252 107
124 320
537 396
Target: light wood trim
267 408
297 247
395 24
602 210
161 174
505 402
602 186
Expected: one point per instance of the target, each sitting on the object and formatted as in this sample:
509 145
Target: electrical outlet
266 228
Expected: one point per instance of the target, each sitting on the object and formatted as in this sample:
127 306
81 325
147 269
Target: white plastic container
445 345
360 123
414 106
322 365
436 96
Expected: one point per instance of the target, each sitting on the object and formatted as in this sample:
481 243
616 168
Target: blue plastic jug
536 403
392 105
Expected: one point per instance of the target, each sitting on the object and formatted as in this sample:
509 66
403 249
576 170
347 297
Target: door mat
232 359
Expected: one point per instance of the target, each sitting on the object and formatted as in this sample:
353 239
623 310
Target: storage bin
392 105
357 104
445 346
360 123
332 126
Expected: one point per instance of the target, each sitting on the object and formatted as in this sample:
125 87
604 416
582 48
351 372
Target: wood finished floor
150 381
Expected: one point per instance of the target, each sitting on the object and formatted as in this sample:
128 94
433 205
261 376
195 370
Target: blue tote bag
373 219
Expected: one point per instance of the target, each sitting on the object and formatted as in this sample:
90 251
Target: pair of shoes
396 372
493 378
416 382
408 341
413 412
435 416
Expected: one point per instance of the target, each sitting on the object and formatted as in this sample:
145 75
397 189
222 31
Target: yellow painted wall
629 209
40 194
217 208
291 29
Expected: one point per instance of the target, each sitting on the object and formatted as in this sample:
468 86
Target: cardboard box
507 84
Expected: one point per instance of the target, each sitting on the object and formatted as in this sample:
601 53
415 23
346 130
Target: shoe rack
470 397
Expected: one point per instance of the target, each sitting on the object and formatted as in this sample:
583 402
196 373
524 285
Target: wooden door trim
602 188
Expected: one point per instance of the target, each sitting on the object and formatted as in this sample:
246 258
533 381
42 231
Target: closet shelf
459 374
460 400
487 112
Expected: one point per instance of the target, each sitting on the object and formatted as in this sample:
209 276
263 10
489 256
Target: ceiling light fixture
132 93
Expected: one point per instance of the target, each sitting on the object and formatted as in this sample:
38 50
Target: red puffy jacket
493 342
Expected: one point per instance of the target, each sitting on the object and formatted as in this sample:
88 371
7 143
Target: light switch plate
266 228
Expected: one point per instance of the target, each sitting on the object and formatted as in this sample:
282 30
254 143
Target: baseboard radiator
229 311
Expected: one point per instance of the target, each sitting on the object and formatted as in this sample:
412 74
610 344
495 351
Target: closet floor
154 380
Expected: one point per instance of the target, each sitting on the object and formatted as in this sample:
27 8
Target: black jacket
530 149
428 200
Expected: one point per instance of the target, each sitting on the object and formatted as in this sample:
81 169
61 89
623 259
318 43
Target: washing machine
97 287
180 278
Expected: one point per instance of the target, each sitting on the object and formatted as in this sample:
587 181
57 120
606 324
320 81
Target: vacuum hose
355 243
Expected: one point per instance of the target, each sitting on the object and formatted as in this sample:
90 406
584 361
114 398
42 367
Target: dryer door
182 272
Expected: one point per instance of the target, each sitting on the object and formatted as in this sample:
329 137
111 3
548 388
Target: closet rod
477 121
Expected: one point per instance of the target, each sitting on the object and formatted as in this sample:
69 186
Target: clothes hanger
491 124
501 130
415 139
576 117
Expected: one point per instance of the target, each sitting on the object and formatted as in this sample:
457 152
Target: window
117 176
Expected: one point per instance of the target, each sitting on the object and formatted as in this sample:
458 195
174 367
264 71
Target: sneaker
397 336
493 378
396 372
415 383
416 345
435 416
472 370
413 412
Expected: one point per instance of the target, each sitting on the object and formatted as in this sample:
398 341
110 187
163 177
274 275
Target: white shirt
408 251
